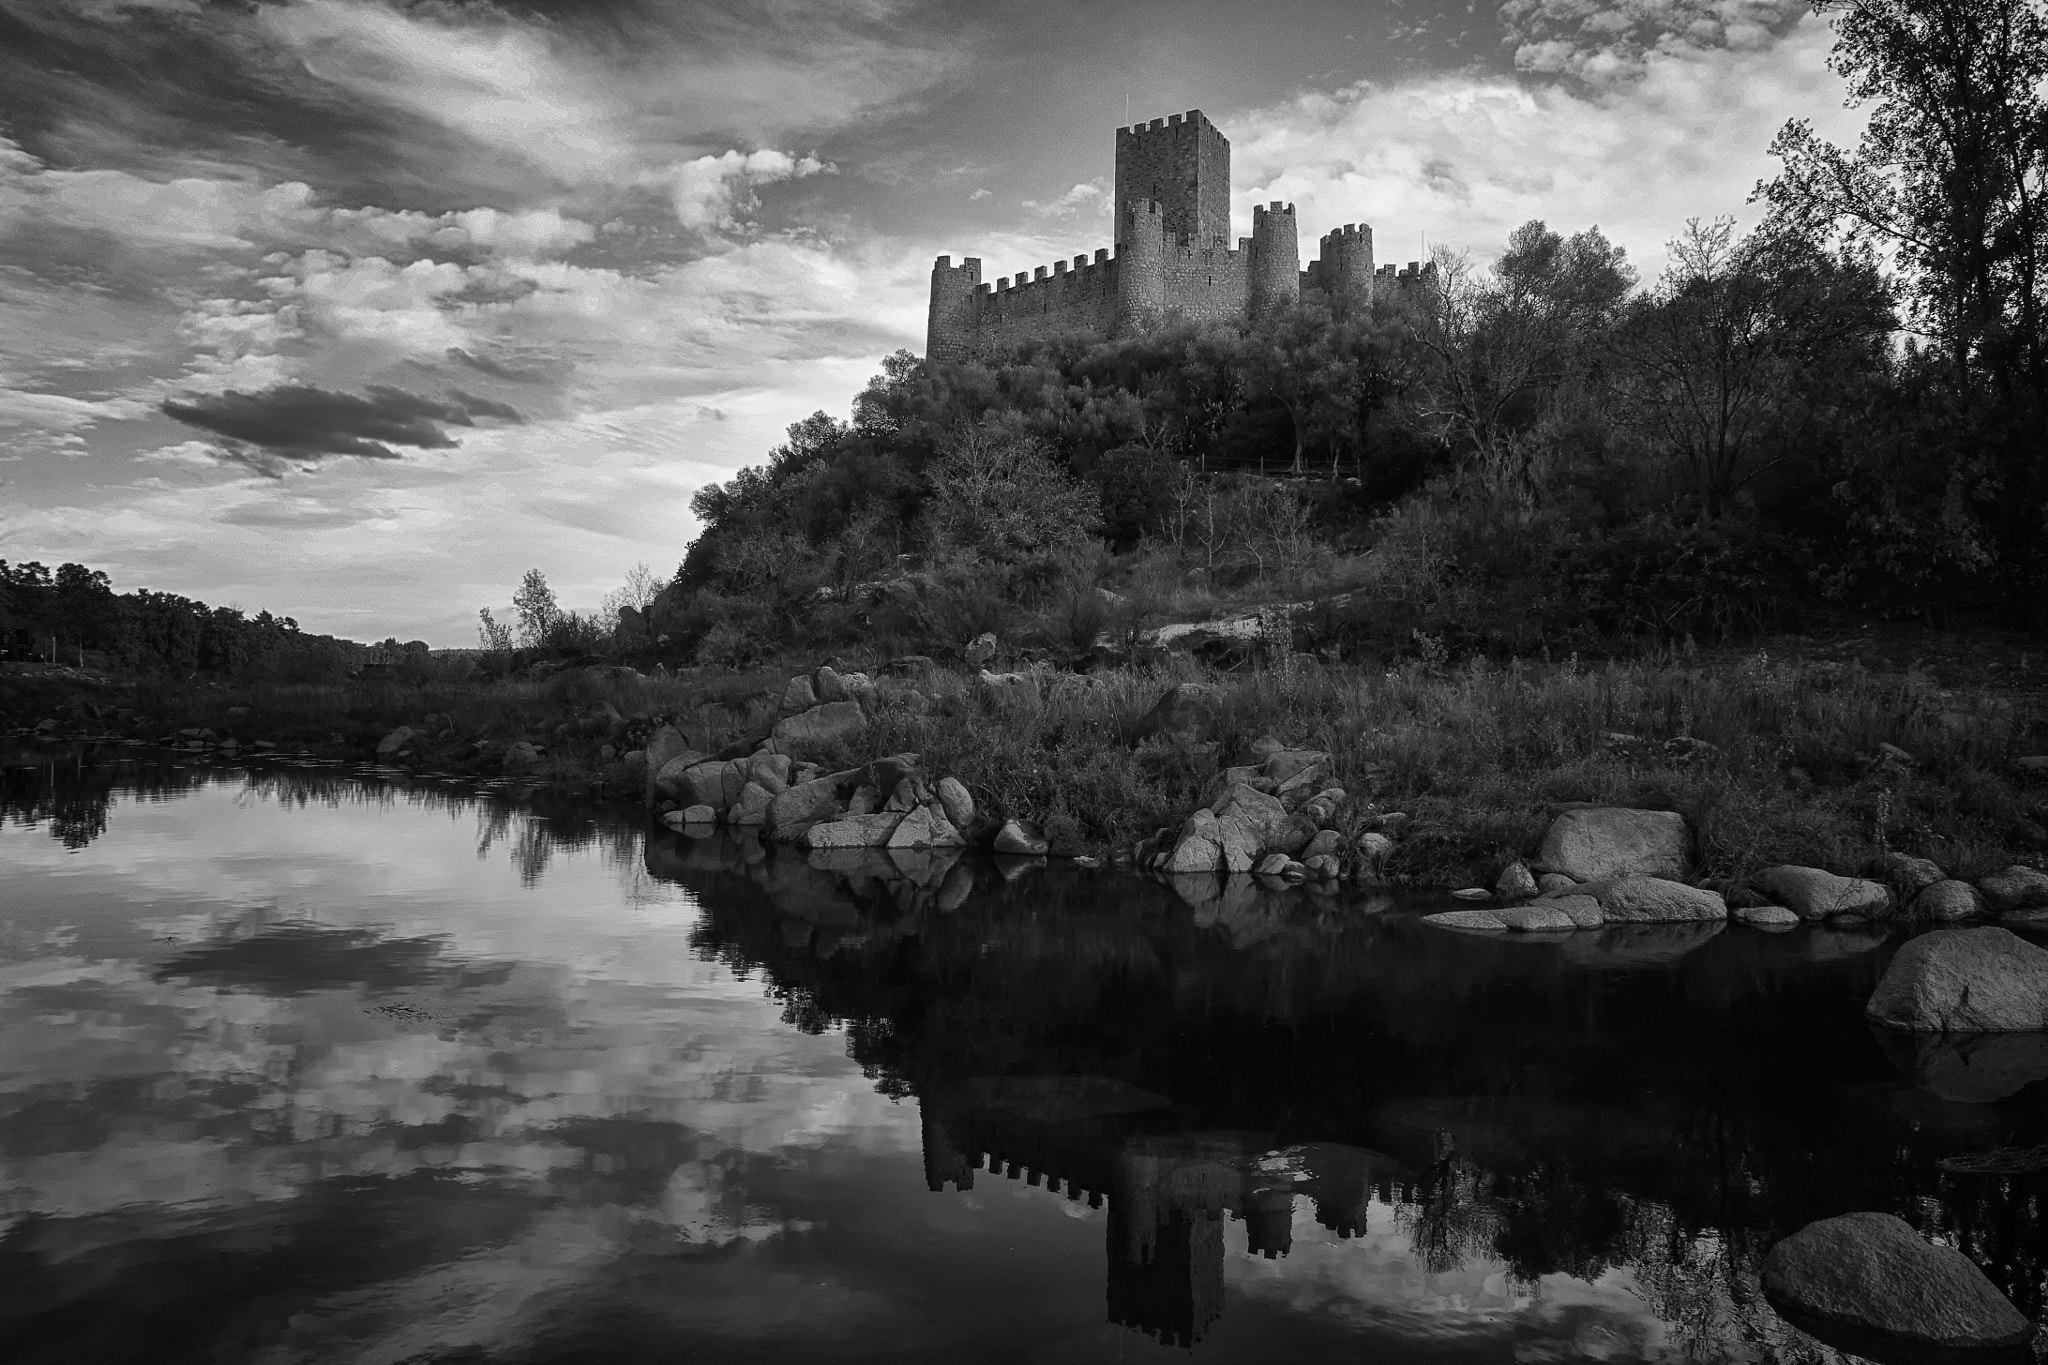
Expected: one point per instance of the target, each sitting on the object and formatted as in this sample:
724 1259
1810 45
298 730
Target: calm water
304 1064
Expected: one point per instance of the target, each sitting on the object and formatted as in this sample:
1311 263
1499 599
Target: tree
638 592
1497 345
536 607
1741 346
1000 497
496 636
1950 180
1299 360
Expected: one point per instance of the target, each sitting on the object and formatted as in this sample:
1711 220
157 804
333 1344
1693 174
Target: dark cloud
301 423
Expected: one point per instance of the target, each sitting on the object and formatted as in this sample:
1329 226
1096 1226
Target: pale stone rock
798 696
821 728
750 807
1652 900
1947 899
2017 888
1583 911
1273 864
1598 842
1467 919
1766 916
958 802
397 740
1986 980
1325 841
1017 837
1473 893
855 831
915 831
1515 883
521 758
1812 893
827 685
1871 1271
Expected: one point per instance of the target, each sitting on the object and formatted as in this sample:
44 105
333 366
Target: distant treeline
74 616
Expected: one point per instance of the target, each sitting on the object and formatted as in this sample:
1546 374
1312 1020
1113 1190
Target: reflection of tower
943 1162
1269 1222
1166 1280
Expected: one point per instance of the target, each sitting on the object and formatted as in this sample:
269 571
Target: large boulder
2017 888
1811 893
800 696
819 730
1593 843
1017 837
1871 1272
750 807
1199 848
712 784
1249 822
393 743
1987 980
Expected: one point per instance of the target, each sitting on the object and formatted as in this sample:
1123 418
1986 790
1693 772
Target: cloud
712 191
301 423
1605 41
1462 158
1090 196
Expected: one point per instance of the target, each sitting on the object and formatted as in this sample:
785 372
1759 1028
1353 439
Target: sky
355 310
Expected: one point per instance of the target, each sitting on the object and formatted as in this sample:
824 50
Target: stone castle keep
1173 258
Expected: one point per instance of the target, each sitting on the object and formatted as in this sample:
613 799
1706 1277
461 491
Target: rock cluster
1600 865
1273 814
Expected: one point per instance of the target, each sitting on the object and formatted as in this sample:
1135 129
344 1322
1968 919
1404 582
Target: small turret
1276 260
1345 268
1140 267
950 324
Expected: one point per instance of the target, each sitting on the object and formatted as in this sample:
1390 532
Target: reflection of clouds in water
442 1019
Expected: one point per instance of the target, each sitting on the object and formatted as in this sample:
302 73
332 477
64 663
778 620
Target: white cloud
1090 196
712 192
1463 159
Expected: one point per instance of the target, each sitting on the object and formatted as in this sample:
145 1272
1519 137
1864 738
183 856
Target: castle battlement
1172 257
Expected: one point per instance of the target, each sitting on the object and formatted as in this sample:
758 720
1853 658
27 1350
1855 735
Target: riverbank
1771 760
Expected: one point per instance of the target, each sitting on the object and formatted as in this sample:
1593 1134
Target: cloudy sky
355 310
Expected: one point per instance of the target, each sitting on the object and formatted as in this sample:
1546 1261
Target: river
312 1063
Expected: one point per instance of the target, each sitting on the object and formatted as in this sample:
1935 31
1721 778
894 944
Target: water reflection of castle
1557 1108
1167 1194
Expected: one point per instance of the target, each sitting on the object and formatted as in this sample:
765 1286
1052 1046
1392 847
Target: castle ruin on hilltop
1173 258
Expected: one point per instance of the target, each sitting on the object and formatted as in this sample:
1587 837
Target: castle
1173 258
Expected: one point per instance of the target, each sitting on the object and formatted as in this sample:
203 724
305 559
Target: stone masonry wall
1184 163
1069 299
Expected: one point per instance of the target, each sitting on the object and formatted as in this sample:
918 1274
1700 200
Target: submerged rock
1872 1271
1987 980
1592 843
1812 893
1649 900
1525 919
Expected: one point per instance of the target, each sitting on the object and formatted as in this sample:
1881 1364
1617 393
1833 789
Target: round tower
951 322
1276 260
1347 271
1140 267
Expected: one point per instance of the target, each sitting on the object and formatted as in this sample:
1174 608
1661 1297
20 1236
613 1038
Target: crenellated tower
1275 266
1181 163
951 322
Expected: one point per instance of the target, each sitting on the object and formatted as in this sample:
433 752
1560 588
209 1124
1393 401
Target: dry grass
1483 755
